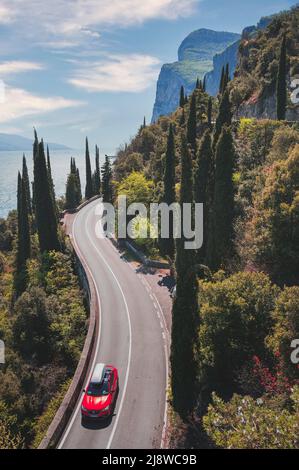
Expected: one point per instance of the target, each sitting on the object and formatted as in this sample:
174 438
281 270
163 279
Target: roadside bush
9 437
235 318
245 423
136 188
285 329
272 235
126 163
6 236
44 421
31 326
284 139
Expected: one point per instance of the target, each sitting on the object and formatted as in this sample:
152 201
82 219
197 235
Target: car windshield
98 389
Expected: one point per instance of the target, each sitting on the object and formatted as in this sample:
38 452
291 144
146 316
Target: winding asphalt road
132 336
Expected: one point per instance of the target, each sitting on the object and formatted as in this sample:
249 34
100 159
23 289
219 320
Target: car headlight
107 408
83 408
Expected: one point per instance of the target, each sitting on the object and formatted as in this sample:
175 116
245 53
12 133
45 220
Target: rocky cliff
265 108
195 59
253 90
228 56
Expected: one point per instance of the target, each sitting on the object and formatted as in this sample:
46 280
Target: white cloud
19 103
90 33
69 17
59 44
119 73
6 14
18 66
123 12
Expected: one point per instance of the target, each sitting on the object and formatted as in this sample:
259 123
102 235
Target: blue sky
89 67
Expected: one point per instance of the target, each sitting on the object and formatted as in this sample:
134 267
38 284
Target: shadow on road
167 281
97 423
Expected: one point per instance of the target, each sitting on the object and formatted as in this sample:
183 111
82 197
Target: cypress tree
75 171
25 178
107 181
221 237
182 97
79 186
97 174
50 173
185 308
203 185
167 244
72 166
23 240
88 187
224 117
186 99
35 151
182 118
221 80
204 85
46 219
209 112
51 183
35 143
71 193
197 83
227 80
191 124
281 82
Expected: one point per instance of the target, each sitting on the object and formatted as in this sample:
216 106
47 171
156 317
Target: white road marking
130 339
166 350
97 347
78 251
148 287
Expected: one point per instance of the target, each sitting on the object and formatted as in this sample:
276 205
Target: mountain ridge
15 142
195 59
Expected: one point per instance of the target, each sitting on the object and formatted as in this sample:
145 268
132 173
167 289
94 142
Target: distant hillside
12 142
195 58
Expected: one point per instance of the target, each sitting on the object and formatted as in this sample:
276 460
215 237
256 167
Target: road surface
132 337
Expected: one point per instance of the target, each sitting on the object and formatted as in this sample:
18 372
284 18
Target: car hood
96 403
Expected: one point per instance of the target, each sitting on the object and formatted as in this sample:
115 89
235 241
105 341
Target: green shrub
286 328
43 422
272 235
235 318
245 423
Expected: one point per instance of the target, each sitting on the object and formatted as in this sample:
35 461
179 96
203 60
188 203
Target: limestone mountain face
195 59
228 56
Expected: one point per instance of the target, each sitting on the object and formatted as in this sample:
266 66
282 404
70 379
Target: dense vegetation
42 315
262 60
42 309
236 310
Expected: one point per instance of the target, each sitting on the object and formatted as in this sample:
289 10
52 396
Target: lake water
11 162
